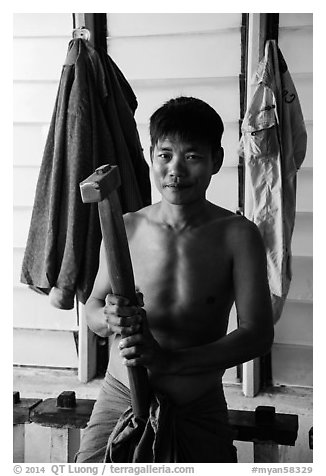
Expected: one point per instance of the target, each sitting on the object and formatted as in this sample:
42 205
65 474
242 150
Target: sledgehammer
101 187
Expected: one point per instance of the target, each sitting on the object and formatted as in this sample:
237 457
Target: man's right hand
121 317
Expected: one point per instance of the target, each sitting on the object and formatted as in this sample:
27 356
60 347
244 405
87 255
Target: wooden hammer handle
122 282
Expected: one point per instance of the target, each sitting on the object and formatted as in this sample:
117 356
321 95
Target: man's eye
164 156
193 157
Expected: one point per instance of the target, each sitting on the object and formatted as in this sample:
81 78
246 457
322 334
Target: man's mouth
177 186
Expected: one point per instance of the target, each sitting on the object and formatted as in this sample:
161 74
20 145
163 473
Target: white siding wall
292 350
161 55
166 55
42 334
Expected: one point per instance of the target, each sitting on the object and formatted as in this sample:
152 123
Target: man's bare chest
186 269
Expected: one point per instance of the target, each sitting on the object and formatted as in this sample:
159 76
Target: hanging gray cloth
92 124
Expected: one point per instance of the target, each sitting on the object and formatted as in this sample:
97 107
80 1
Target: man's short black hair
189 119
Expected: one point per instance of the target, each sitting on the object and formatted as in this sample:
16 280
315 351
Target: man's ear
218 157
151 151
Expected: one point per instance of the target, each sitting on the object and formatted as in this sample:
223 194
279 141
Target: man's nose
177 167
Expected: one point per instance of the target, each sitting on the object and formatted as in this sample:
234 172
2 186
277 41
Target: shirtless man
192 260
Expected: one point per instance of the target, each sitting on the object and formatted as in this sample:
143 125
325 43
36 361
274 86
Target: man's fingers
122 318
130 341
130 321
126 326
135 362
115 299
122 311
130 352
129 331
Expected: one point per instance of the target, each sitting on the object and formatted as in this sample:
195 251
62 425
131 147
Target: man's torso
186 280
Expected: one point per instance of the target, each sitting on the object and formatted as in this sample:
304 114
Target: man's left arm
255 332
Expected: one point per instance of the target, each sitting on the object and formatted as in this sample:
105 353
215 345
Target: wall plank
292 365
173 57
34 311
21 223
296 47
44 348
295 19
295 325
35 136
42 24
220 93
39 59
132 24
308 161
18 255
302 281
302 242
25 179
304 190
27 105
303 85
223 189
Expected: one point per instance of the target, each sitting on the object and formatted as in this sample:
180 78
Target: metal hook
81 33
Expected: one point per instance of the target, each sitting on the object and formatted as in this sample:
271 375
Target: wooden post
64 444
266 452
259 27
250 370
96 24
251 381
22 408
19 443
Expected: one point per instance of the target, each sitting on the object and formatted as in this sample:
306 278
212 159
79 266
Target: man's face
182 171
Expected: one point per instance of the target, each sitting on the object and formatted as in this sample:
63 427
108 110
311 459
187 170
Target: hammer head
100 184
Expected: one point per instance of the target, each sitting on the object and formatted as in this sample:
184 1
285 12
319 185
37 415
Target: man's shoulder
243 237
236 228
134 220
140 214
240 228
233 222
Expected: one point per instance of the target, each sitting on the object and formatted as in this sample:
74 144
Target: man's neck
183 217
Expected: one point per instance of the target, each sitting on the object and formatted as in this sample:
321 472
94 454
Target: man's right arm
96 318
107 313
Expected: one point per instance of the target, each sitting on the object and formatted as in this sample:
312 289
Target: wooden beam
87 349
96 24
261 26
271 433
